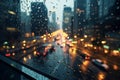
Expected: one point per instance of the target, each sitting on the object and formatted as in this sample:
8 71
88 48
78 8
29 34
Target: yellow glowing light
75 36
95 48
115 67
74 42
90 45
92 39
13 47
85 45
11 29
35 52
85 65
81 39
44 39
101 76
85 36
103 42
115 52
105 51
41 36
44 35
11 12
34 40
24 41
24 59
24 44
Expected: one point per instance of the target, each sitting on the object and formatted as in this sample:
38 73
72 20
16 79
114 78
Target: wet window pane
64 39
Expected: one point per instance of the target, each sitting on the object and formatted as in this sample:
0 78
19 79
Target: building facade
67 16
79 16
10 20
39 18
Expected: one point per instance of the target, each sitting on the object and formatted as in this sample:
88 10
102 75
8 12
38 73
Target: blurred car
85 56
100 64
42 51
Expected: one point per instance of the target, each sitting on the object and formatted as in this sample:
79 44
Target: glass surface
74 27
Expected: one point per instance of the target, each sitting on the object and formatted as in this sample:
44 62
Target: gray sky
59 4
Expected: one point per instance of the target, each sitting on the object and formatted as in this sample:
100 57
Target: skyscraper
94 11
79 16
67 15
54 17
39 18
104 6
10 20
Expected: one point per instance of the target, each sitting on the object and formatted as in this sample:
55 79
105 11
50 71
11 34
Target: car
100 64
42 51
85 56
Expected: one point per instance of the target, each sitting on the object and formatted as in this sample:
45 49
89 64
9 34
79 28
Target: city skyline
54 5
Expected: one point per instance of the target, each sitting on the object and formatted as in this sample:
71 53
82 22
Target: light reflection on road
115 67
85 65
101 76
35 52
24 59
73 54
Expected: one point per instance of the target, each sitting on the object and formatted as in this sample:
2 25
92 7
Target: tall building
25 24
10 20
54 17
39 18
67 16
104 6
79 16
94 11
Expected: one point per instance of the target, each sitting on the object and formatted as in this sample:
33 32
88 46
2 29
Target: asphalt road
64 65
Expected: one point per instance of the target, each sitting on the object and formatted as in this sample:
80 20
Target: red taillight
7 54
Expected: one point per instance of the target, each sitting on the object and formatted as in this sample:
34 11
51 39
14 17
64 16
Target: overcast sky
59 4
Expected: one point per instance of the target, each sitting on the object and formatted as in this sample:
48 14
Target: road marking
56 67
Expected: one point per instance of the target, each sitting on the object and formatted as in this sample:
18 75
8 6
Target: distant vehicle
42 51
85 56
100 64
